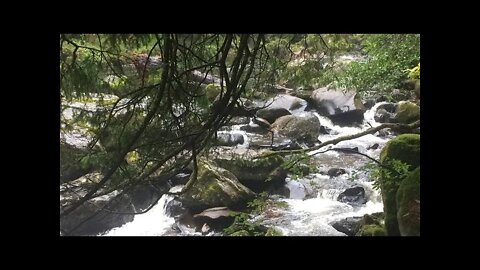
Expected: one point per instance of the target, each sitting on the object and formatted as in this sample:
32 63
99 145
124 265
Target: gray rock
301 129
353 196
343 108
229 139
333 172
271 114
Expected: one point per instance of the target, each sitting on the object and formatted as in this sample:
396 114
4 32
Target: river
312 203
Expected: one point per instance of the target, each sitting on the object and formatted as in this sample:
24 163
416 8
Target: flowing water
312 203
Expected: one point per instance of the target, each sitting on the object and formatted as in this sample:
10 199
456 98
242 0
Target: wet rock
174 208
354 196
179 179
286 145
215 187
406 112
205 229
185 222
343 108
229 139
399 95
89 220
257 174
408 205
371 230
380 99
348 226
389 107
383 133
369 103
291 103
144 195
405 148
382 116
374 146
216 218
254 129
301 129
261 122
333 172
271 114
325 130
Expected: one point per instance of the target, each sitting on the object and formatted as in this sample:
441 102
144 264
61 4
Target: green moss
255 174
390 208
406 148
371 230
407 112
408 202
212 91
215 187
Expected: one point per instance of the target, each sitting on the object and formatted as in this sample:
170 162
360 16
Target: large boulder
342 107
88 219
371 225
212 91
259 174
406 112
405 148
371 230
408 204
368 225
271 114
214 187
348 226
353 196
301 129
291 103
216 218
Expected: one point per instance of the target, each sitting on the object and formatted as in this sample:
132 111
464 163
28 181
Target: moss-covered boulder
408 203
301 129
259 174
212 91
214 187
405 148
371 230
406 112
